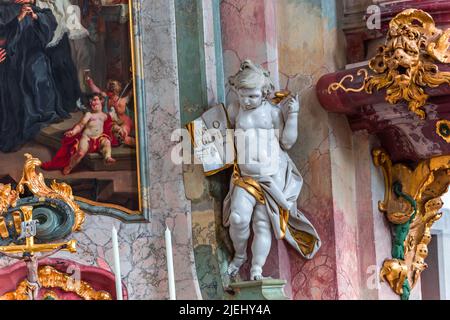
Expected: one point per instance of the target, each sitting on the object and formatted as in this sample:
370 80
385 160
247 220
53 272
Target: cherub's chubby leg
261 242
105 149
83 148
242 205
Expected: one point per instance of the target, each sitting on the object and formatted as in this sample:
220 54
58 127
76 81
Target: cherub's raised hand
293 104
2 55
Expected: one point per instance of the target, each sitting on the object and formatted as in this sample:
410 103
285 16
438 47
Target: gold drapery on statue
306 241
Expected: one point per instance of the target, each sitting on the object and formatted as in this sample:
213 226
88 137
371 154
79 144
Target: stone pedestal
269 289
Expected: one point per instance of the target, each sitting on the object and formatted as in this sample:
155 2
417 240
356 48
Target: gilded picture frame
120 212
87 121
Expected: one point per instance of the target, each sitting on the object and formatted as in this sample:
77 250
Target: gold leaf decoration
35 182
422 186
405 64
51 278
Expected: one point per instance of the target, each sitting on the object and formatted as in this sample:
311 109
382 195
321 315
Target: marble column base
268 289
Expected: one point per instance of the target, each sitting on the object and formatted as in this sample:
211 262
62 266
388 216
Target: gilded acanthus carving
406 64
36 184
411 204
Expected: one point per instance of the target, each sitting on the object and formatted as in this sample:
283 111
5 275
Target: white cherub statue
265 184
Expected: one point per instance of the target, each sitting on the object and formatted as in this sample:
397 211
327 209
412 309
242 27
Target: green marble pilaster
194 66
219 52
191 59
201 84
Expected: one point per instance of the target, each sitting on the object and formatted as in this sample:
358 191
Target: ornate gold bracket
405 64
411 204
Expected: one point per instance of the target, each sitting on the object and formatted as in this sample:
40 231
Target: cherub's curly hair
251 76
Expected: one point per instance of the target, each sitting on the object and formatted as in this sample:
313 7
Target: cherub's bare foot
67 170
110 160
235 265
256 273
257 277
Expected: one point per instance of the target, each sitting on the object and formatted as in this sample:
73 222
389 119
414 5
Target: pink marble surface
335 164
305 48
297 34
343 166
249 31
364 205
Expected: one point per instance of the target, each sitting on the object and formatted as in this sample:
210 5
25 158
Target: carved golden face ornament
405 64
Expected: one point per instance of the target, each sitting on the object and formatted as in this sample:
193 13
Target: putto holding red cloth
92 134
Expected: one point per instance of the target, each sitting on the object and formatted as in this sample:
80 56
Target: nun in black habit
32 95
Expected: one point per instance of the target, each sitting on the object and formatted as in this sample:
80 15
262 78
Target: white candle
115 244
169 258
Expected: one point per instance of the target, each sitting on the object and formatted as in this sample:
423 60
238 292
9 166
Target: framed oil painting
72 95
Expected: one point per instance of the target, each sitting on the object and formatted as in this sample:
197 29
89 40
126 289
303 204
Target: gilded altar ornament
443 129
411 204
394 271
50 295
405 64
4 233
30 287
8 197
29 246
36 184
51 278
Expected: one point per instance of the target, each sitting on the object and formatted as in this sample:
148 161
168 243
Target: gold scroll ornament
36 184
405 64
51 278
425 184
